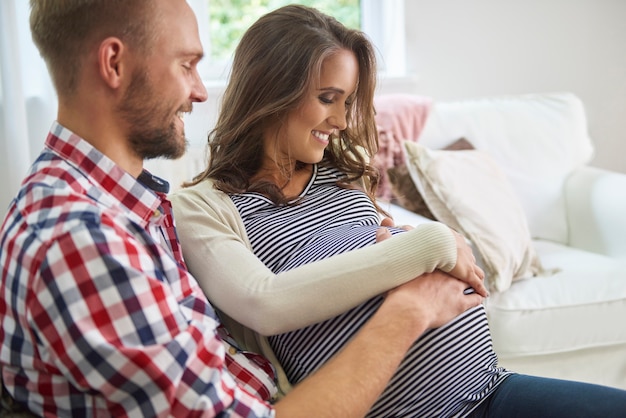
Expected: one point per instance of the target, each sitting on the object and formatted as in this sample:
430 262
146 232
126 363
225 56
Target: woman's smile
322 136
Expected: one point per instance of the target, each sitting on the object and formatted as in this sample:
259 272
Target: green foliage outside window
229 19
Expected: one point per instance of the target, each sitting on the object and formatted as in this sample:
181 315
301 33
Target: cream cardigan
254 302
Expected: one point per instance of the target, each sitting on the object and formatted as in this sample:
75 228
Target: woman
289 178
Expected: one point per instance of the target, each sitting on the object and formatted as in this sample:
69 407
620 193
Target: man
99 314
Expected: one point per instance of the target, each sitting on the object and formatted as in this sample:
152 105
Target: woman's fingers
382 234
466 269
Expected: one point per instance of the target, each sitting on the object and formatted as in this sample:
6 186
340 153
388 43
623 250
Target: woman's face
321 114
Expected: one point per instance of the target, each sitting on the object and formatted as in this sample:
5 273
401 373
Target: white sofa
570 321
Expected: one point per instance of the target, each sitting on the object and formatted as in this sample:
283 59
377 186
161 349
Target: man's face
164 85
155 126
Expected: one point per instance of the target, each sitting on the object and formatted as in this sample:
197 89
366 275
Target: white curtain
27 99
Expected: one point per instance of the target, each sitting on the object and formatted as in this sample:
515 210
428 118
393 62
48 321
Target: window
223 22
229 19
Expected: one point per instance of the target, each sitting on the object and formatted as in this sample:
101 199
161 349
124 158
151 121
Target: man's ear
112 61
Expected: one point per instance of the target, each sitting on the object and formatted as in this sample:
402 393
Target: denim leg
521 396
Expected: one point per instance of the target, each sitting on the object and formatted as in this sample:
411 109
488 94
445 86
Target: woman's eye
326 100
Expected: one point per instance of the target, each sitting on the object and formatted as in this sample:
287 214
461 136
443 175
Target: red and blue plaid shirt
99 316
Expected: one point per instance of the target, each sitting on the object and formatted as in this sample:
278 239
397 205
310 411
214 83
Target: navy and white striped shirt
447 371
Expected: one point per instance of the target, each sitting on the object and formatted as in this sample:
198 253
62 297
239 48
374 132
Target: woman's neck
291 181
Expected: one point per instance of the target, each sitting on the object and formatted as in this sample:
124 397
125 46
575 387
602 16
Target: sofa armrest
402 216
596 207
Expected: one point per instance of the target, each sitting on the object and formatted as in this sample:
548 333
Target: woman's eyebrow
334 89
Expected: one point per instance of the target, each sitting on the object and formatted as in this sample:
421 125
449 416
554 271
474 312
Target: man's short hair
65 30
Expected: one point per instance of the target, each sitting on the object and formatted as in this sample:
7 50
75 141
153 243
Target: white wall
470 48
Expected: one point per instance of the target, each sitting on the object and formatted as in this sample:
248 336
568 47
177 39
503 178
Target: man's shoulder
49 205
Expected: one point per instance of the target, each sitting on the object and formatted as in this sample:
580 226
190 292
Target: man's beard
146 117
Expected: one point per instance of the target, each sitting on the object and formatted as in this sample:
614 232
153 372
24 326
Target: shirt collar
137 195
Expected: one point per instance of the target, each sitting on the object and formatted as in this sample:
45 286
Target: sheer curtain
27 98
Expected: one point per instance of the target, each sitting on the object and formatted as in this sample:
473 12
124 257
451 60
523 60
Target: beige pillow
403 190
469 192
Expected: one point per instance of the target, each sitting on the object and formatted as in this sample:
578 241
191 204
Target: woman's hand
466 268
438 297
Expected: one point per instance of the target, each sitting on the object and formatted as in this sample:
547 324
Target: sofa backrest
536 139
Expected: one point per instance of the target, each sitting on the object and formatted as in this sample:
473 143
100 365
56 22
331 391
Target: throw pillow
403 190
469 192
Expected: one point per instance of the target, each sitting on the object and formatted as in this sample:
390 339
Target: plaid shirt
99 314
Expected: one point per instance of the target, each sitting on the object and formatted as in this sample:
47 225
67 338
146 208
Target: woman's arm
218 254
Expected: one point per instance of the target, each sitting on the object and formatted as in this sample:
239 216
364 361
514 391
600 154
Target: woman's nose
338 118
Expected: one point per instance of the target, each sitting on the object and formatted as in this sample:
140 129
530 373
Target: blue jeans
537 397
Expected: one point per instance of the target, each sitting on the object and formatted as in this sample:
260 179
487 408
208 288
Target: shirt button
156 213
232 350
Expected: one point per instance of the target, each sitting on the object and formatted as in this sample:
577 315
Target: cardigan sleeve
218 254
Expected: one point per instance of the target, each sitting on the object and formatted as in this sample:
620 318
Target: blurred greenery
229 19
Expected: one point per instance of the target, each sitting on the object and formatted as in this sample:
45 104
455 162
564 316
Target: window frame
381 20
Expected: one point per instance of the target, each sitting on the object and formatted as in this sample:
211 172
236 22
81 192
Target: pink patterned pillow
399 117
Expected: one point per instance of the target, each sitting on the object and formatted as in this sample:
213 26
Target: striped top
447 372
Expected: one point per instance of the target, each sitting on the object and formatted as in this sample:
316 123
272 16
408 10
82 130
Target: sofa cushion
469 192
403 190
576 308
536 139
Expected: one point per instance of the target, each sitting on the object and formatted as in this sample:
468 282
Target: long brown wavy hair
276 61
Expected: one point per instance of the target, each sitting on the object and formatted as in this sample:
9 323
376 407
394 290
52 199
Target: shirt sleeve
115 316
218 254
